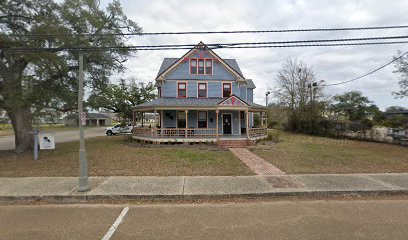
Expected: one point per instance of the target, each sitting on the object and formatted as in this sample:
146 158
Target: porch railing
174 132
256 132
191 132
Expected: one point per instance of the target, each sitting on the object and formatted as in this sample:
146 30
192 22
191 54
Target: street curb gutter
152 198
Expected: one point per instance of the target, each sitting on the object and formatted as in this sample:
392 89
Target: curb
95 198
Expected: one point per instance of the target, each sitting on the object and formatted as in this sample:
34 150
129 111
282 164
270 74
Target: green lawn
297 154
113 156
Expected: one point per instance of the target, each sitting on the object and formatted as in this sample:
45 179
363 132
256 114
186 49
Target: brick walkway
257 164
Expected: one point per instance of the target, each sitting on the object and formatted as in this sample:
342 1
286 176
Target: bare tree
297 90
294 85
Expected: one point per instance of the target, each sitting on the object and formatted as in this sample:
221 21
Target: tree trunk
21 121
15 104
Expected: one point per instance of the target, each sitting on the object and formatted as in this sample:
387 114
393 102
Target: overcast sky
332 64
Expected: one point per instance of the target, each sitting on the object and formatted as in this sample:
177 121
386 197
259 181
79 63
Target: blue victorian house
202 98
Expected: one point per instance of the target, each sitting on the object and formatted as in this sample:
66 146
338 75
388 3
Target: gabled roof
250 83
167 62
230 64
233 100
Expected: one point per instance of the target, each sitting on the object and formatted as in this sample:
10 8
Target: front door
226 124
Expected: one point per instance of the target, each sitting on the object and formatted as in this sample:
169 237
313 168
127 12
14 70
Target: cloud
333 64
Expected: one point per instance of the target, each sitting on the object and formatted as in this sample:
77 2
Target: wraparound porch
186 135
187 125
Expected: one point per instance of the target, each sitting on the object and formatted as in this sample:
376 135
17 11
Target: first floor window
202 119
226 90
181 119
182 90
202 90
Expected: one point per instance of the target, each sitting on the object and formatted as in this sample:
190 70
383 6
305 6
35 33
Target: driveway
7 142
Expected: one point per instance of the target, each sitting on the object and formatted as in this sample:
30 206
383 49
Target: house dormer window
201 66
202 90
193 66
226 90
208 66
182 90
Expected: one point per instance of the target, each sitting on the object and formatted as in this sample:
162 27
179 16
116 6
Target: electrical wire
284 44
367 74
221 32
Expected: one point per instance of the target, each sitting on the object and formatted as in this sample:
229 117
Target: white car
119 129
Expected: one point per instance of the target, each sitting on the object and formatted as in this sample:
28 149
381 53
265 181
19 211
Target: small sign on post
46 141
83 118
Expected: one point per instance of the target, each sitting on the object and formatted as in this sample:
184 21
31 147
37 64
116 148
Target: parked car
119 129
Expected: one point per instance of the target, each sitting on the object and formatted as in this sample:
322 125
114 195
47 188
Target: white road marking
115 225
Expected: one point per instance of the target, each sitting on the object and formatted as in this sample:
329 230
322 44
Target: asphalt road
7 142
317 219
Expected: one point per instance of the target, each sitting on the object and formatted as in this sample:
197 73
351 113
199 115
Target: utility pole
83 184
266 97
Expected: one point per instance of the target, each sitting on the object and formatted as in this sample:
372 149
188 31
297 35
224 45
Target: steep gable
200 51
233 101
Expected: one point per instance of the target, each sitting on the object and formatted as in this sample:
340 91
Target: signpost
46 140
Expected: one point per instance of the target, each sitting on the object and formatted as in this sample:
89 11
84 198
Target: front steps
234 143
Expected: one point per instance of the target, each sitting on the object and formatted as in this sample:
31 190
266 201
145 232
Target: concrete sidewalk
193 187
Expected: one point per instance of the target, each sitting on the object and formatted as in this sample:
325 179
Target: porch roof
212 103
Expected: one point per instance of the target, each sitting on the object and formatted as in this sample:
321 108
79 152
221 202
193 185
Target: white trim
222 123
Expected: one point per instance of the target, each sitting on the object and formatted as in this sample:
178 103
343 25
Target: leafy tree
401 66
354 106
31 81
121 98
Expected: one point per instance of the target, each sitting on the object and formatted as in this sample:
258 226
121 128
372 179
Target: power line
220 32
369 73
283 44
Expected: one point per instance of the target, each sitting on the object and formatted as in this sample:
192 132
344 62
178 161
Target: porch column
161 119
155 123
216 122
133 118
142 118
266 120
186 134
262 118
247 123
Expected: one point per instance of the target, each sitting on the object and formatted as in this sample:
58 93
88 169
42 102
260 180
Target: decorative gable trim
233 100
200 46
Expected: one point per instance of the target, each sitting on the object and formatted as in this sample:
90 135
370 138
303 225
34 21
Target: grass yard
7 129
110 156
302 154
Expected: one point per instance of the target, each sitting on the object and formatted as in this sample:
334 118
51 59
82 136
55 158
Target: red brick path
255 163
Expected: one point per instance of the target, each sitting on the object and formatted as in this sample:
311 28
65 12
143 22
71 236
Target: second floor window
226 90
159 91
201 66
182 90
202 90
